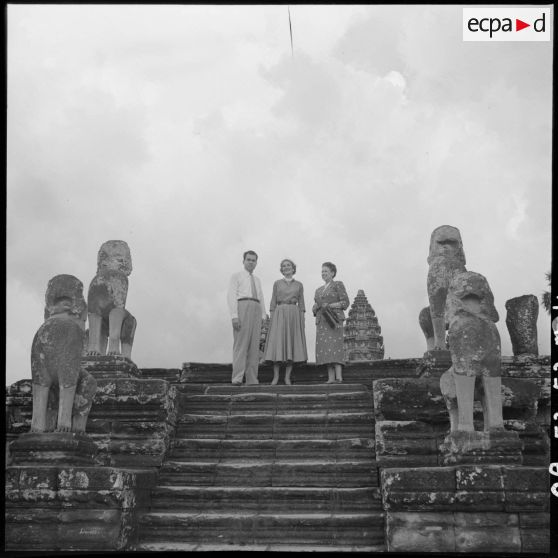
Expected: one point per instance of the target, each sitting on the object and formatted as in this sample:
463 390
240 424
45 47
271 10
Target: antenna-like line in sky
290 31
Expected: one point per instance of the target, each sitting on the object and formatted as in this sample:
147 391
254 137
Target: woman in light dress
330 302
286 341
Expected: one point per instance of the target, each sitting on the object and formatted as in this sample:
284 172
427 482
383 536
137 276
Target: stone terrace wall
54 507
466 508
463 508
51 508
132 420
412 420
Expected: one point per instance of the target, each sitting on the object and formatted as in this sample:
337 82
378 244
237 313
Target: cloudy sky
194 133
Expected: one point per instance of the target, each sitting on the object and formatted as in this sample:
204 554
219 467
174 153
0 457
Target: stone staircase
278 468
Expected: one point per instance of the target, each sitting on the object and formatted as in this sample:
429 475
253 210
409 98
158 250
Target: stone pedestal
47 448
411 415
493 447
131 420
110 366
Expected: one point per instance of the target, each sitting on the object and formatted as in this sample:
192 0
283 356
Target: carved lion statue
474 344
446 258
109 321
62 391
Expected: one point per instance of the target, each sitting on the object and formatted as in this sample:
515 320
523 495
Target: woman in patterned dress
286 342
330 302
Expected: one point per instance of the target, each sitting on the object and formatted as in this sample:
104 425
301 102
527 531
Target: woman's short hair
332 267
290 261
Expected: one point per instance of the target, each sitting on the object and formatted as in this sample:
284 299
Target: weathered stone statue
521 319
474 344
109 321
446 258
62 391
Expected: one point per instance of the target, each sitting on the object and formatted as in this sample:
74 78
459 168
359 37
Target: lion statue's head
64 294
446 245
114 255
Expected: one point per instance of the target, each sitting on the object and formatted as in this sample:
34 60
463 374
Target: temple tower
362 333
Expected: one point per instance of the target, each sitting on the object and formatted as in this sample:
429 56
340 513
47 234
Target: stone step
197 449
261 528
330 425
263 465
265 499
260 472
278 547
168 374
309 374
276 403
228 389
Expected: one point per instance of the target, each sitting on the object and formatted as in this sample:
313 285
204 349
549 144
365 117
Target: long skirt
286 341
329 344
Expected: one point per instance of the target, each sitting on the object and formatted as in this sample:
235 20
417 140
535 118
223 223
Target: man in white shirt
247 309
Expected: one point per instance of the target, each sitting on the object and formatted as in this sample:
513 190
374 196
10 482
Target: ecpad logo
506 24
494 24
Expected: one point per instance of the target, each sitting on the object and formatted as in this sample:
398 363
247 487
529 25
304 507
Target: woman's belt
248 298
287 302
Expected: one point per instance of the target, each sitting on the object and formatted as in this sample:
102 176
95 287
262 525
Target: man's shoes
236 383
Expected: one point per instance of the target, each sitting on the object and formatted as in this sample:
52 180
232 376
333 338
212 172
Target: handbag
330 317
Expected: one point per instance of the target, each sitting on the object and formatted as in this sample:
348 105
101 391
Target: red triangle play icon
519 25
